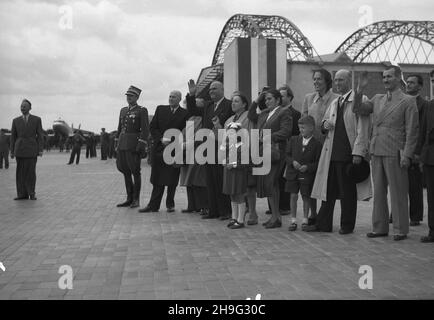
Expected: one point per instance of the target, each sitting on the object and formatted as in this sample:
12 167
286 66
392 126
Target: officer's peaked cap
133 90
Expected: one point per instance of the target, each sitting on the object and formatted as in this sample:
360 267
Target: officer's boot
129 188
137 186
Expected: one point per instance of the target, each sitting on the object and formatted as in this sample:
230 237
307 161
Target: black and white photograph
224 153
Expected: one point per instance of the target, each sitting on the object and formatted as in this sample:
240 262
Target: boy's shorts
294 186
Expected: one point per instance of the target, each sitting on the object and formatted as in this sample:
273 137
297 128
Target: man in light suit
27 143
393 141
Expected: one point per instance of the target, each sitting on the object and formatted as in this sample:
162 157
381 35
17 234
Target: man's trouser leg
380 211
398 185
415 192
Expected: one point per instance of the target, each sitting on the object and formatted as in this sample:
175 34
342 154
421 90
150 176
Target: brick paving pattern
119 253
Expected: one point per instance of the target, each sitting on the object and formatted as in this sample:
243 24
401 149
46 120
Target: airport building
254 51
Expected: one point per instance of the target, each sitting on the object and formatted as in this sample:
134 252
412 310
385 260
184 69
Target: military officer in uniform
131 137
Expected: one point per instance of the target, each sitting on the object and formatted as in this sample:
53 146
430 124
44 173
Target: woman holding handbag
276 122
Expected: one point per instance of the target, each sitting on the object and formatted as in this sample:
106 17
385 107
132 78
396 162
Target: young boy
302 156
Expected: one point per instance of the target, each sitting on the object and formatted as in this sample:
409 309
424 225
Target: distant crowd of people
341 145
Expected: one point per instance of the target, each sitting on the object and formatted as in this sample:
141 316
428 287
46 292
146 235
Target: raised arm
192 108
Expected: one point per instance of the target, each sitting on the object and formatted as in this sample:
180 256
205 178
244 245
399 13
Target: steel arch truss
299 47
399 41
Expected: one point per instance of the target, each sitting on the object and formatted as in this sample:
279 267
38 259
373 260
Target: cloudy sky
80 68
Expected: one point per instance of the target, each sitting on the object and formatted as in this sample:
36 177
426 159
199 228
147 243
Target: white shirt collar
306 141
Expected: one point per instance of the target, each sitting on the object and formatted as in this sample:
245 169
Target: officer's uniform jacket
133 125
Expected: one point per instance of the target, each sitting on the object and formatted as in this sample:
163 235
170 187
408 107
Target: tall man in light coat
393 142
346 144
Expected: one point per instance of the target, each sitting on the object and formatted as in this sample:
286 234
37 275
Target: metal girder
411 36
299 47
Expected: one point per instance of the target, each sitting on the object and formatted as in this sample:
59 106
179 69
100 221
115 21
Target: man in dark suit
415 178
162 174
104 144
77 141
4 149
27 144
214 115
425 155
132 136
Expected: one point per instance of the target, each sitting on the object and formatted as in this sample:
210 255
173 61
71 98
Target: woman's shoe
237 225
267 222
275 224
231 223
292 227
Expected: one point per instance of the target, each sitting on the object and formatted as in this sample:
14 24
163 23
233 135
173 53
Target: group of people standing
342 139
327 152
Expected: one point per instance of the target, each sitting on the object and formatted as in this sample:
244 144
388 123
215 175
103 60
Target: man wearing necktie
393 142
27 143
346 144
166 117
214 115
132 137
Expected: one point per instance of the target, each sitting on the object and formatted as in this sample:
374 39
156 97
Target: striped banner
251 64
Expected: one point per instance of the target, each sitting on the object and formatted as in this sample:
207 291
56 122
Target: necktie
215 106
173 110
25 119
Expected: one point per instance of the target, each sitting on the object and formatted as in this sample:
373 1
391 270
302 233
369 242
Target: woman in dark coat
275 124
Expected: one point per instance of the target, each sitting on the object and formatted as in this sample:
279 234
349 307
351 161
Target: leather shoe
187 210
268 212
343 231
414 223
252 222
147 209
134 204
124 204
312 228
21 198
171 209
204 212
32 197
237 225
292 227
275 224
399 237
267 222
427 239
311 221
376 235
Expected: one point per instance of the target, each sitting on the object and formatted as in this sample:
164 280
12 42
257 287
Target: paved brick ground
118 253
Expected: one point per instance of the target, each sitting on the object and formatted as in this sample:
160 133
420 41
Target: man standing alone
27 143
132 134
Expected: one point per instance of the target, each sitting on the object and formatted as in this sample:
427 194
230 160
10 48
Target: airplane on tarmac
61 128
